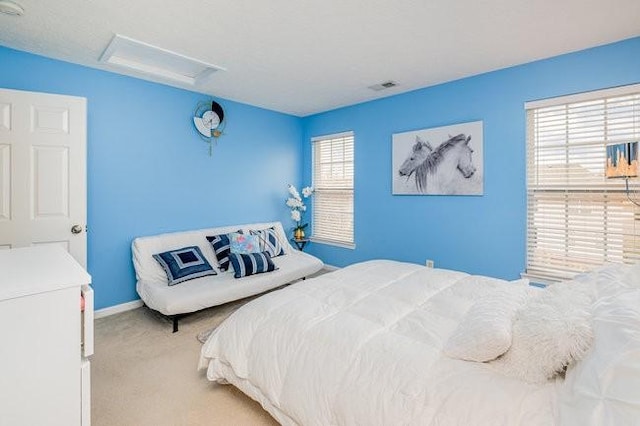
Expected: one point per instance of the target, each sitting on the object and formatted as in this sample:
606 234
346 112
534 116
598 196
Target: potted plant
296 204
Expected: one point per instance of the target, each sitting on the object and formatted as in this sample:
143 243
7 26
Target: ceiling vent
151 61
11 8
382 86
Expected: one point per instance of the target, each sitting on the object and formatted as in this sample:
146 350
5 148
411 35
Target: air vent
382 86
10 8
147 60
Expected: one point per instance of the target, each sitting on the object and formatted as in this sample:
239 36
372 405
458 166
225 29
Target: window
577 218
333 184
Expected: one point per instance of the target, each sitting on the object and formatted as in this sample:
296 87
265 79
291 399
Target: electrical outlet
429 263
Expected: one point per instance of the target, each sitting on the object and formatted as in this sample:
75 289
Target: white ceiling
302 56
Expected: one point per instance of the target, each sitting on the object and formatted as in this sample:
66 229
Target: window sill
341 244
540 279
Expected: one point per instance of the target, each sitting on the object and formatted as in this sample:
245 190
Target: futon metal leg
175 324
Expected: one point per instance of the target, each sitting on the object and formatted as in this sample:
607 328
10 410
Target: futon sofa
174 301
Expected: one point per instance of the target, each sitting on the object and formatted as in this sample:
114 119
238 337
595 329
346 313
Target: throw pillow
250 264
244 244
485 331
184 264
221 247
602 389
552 331
612 276
269 241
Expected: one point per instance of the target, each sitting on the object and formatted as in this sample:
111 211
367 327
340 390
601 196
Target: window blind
333 184
578 219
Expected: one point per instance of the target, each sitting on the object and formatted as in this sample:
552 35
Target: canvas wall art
622 160
444 160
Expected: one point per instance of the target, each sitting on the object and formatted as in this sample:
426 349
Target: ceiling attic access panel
147 61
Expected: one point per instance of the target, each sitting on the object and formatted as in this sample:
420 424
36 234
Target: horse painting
447 169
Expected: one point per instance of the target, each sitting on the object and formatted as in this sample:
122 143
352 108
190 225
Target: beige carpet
143 374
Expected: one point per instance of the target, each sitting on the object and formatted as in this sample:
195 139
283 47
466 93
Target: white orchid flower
294 192
307 191
295 203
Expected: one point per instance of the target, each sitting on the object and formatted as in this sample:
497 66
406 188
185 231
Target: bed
365 345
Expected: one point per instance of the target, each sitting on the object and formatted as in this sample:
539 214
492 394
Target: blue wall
482 235
148 171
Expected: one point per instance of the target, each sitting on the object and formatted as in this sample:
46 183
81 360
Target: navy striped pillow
221 247
269 241
251 264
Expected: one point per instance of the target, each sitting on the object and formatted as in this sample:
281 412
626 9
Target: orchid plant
296 204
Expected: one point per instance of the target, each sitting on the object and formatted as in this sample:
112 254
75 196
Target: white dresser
45 338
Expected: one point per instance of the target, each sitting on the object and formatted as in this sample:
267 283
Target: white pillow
612 276
485 331
602 389
549 333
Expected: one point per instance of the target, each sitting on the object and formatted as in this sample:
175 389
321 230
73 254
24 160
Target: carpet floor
143 374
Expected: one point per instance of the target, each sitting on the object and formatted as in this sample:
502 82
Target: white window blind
333 184
577 218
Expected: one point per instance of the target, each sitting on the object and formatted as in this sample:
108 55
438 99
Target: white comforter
363 346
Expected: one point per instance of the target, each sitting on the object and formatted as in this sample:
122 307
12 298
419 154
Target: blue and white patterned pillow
221 247
244 244
184 264
251 264
269 241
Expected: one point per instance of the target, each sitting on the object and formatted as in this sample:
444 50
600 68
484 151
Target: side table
300 243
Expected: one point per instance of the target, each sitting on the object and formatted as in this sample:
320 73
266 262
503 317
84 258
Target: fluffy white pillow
485 331
549 333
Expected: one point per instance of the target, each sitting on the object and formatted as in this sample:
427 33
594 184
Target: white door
43 191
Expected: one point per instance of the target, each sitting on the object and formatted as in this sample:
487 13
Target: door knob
76 229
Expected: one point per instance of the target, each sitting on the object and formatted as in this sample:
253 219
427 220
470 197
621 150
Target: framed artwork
444 160
622 160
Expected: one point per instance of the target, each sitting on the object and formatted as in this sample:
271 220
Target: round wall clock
208 118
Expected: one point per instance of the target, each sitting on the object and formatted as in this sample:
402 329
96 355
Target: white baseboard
112 310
